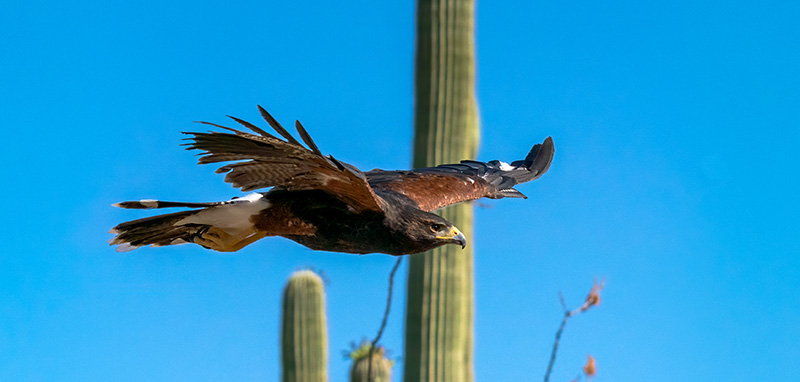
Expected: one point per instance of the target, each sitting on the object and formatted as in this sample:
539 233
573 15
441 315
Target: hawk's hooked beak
456 237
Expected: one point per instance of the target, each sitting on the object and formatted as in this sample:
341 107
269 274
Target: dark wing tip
277 126
137 205
251 126
512 193
306 138
540 157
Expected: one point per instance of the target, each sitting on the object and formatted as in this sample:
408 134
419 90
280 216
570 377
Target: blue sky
675 178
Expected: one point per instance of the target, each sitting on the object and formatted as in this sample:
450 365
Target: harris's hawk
321 202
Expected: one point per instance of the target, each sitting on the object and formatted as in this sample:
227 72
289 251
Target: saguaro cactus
304 335
439 307
381 366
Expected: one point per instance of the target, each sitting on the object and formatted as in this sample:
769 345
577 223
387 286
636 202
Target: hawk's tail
156 231
221 226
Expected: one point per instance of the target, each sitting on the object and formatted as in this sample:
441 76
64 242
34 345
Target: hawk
319 201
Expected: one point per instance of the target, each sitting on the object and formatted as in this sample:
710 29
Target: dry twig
385 318
591 300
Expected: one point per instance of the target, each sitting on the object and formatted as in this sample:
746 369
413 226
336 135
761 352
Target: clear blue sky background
675 178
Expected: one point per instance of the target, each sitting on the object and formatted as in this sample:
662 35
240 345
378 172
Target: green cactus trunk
304 337
439 307
381 366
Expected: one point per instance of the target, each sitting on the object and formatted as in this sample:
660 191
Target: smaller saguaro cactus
304 335
381 366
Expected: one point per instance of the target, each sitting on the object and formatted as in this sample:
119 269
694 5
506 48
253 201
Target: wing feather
251 126
277 126
263 160
306 138
436 187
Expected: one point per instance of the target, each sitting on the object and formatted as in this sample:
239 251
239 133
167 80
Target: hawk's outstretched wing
436 187
262 160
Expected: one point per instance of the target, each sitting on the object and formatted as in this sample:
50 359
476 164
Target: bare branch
385 318
591 300
567 315
563 303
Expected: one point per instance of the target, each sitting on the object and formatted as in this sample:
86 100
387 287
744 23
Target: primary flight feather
321 202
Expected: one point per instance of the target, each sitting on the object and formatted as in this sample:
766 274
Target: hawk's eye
436 227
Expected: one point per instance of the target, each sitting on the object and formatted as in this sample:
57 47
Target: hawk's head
426 230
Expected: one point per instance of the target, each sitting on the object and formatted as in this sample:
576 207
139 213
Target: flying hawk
321 202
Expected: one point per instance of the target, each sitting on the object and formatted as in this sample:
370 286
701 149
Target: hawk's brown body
323 203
